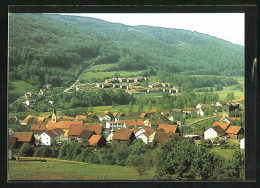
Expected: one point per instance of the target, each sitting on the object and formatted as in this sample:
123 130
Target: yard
227 152
55 169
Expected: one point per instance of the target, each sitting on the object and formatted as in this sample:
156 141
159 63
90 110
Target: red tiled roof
152 111
106 112
81 117
122 134
23 136
142 115
242 98
148 130
94 139
37 119
134 122
233 130
224 126
97 128
62 124
54 133
75 129
234 118
168 128
38 127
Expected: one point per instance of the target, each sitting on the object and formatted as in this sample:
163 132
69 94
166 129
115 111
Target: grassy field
55 169
103 67
227 152
19 87
89 76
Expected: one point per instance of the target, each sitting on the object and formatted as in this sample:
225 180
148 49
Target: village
150 127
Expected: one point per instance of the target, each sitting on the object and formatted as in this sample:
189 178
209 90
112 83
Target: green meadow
54 169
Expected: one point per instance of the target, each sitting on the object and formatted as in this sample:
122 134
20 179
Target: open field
89 76
19 87
227 152
55 169
102 67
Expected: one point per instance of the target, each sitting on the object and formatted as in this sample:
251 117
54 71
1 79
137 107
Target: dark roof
123 134
218 129
23 136
160 137
12 141
86 134
54 133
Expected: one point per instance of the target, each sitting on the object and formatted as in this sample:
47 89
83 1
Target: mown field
54 169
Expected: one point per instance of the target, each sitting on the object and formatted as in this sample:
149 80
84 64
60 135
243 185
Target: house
85 135
155 122
123 135
224 126
51 102
146 134
109 138
242 98
111 80
218 104
161 137
92 116
116 85
97 140
242 143
234 131
49 137
231 110
33 119
200 112
106 116
122 79
48 86
165 112
123 86
30 102
176 88
42 92
30 95
64 125
114 124
176 116
10 132
24 137
213 132
38 130
130 123
157 84
108 85
80 117
199 105
130 80
12 142
97 128
143 115
118 115
174 129
139 79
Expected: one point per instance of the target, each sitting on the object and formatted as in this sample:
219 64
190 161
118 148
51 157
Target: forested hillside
55 49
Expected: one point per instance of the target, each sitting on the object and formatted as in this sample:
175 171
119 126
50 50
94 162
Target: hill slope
47 48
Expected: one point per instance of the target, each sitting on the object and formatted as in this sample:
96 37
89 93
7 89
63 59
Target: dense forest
55 49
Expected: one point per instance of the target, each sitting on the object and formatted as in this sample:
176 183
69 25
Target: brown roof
75 129
37 119
94 139
224 126
234 118
62 124
148 130
143 115
81 117
233 130
151 112
123 134
97 128
12 141
134 122
54 133
86 134
106 112
168 128
160 137
23 136
38 127
68 118
218 129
